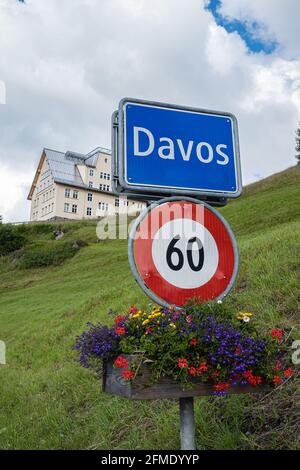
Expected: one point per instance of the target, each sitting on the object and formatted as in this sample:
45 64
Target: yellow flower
172 325
145 322
244 316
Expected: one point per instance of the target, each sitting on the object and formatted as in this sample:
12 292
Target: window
117 202
74 208
108 176
91 172
101 174
67 207
105 160
75 194
103 206
107 187
88 211
90 197
126 203
67 192
90 184
101 187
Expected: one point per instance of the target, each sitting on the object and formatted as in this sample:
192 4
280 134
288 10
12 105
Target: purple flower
98 342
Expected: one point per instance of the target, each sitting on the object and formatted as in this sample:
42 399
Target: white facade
73 186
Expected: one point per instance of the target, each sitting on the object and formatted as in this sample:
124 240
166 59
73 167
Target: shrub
10 239
42 256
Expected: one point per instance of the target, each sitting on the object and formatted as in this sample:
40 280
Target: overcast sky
66 64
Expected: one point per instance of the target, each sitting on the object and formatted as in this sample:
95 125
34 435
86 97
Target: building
76 186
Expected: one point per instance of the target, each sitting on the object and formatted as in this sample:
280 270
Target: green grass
47 401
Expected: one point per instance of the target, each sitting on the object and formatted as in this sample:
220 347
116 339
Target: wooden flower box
140 389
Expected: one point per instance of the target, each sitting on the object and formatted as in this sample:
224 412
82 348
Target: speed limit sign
181 249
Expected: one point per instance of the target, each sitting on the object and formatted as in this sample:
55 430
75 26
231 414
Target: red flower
182 363
192 370
277 334
119 319
149 329
128 375
247 374
121 362
253 380
193 342
189 318
221 387
277 380
216 373
288 372
133 310
202 368
120 330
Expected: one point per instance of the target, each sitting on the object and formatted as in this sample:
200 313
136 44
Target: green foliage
42 256
10 239
210 343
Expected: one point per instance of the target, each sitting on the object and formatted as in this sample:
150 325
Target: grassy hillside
47 401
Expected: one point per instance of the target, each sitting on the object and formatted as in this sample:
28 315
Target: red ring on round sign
142 252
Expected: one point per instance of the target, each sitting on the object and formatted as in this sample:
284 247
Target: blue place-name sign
173 150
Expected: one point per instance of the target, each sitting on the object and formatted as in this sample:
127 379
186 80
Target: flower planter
139 388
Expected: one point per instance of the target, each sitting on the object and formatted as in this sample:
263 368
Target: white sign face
185 253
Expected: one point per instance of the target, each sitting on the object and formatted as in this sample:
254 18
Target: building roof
63 166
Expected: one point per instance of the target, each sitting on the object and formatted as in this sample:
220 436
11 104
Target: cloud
280 20
67 64
254 33
13 185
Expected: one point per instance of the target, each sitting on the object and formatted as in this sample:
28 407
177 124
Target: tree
297 148
10 239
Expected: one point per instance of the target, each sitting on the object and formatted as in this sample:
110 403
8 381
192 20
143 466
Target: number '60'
190 252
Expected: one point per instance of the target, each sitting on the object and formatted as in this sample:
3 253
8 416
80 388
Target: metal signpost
179 247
